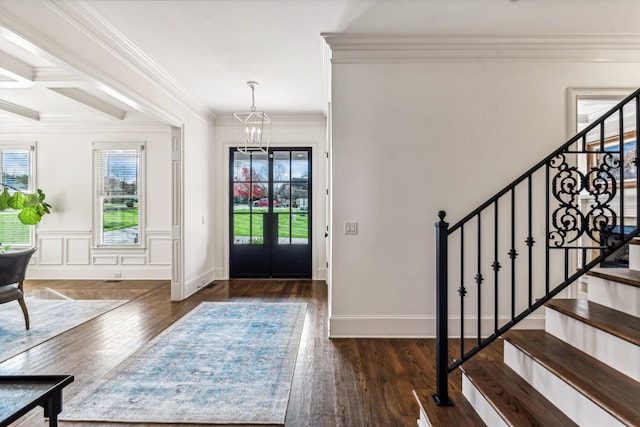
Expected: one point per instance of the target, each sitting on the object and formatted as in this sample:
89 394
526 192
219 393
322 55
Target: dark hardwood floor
338 382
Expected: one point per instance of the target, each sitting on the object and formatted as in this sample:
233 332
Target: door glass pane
281 166
299 166
241 227
281 197
260 197
299 229
241 167
257 229
284 233
241 197
259 167
300 196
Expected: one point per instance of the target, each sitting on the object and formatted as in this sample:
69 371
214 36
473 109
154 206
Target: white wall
412 136
287 131
64 171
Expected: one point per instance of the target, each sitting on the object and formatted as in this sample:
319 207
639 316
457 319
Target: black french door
270 213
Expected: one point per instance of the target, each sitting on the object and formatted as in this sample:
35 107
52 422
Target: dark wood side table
21 393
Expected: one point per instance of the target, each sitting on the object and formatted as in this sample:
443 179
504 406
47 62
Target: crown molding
369 48
279 119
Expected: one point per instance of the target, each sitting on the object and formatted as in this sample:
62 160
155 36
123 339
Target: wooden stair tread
613 391
621 275
513 398
460 414
634 241
617 323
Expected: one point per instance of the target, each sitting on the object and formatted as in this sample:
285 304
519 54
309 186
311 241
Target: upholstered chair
13 266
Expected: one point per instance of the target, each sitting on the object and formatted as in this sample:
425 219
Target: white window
16 169
119 169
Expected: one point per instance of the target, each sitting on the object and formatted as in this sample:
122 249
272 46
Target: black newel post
442 345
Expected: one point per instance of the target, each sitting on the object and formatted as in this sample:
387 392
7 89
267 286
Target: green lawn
118 219
299 229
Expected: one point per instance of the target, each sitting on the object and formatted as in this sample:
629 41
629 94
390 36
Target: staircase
586 361
583 368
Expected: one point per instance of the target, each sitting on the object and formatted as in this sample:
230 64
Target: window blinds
15 166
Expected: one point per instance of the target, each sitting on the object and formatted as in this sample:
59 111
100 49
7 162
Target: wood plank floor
338 382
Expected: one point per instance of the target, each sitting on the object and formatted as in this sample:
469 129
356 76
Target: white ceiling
213 47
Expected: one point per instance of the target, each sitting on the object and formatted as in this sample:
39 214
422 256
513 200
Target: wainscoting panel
50 251
159 248
132 260
105 259
78 250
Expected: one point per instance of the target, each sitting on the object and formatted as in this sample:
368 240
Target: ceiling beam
91 101
19 110
15 69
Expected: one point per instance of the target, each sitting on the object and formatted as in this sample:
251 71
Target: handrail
583 183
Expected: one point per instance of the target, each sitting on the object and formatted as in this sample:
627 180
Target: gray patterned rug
222 363
48 318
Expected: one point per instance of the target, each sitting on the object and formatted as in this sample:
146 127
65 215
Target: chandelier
253 127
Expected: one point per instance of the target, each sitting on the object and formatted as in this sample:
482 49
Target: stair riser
611 350
634 257
575 405
615 295
484 409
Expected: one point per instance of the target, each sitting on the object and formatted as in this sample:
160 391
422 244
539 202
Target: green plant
32 206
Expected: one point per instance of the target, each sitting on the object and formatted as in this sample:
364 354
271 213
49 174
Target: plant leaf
31 200
4 200
16 201
29 215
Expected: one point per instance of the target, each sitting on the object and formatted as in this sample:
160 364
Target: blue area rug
223 363
48 318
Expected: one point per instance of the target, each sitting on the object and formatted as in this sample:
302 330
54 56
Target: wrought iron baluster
496 266
547 228
512 253
622 171
462 292
529 241
479 278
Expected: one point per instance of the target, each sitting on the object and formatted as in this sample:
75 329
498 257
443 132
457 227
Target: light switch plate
351 228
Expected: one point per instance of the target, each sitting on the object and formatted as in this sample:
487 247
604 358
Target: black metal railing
580 201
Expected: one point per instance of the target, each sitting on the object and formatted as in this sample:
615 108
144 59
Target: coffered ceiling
211 48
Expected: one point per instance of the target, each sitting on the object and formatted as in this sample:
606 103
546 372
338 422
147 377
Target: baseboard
195 284
416 326
96 272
